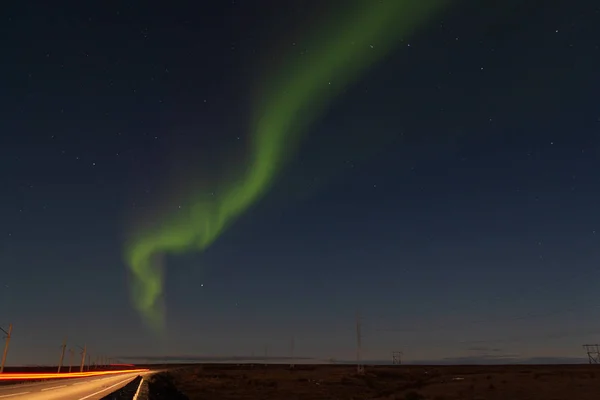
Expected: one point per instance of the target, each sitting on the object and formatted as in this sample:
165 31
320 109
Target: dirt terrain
324 382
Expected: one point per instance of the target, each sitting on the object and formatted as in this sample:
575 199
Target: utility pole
62 354
71 352
83 352
360 369
292 344
6 343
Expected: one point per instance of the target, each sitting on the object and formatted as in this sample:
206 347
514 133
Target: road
92 388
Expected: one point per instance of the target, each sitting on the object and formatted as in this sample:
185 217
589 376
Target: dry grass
227 382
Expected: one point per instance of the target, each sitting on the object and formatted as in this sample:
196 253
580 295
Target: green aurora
298 93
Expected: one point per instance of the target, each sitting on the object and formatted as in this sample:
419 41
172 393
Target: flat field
325 382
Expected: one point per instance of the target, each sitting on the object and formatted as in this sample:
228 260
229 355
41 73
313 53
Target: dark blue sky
450 195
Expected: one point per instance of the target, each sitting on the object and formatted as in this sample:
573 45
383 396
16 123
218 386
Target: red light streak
33 375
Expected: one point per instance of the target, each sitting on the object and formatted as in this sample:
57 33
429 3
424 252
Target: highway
90 388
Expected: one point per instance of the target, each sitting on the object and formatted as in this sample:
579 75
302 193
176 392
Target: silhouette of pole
83 352
71 352
292 345
359 367
266 353
6 343
62 355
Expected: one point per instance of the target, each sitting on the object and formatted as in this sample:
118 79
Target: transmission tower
6 343
396 357
593 353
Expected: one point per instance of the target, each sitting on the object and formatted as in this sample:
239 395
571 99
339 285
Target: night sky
447 190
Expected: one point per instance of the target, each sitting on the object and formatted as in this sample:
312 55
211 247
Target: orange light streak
33 375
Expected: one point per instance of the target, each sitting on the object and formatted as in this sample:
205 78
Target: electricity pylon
396 357
593 353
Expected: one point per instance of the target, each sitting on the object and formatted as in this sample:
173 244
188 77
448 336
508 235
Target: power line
462 324
536 289
519 339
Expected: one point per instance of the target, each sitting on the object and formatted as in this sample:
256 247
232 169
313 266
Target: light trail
35 375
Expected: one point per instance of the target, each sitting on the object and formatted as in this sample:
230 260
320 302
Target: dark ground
127 392
514 382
